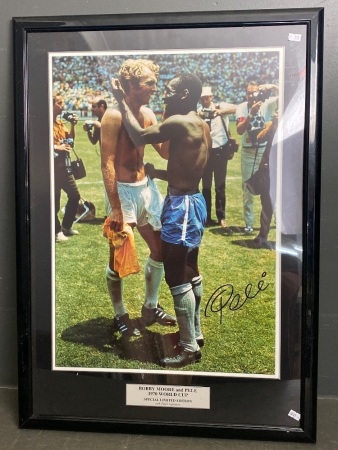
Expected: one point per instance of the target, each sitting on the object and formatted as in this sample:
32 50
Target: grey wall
328 338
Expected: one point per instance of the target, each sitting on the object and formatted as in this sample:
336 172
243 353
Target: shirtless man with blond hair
134 199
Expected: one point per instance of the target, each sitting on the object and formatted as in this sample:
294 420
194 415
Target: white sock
153 272
184 302
115 287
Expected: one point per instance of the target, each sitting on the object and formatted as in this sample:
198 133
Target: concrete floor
13 438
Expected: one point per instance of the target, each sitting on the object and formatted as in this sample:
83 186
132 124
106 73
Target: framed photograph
168 185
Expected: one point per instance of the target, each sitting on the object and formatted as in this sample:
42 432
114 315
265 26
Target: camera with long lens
68 141
261 95
68 116
88 125
68 161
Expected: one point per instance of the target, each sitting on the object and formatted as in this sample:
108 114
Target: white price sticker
294 415
295 37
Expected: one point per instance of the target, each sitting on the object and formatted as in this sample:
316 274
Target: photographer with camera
254 117
219 155
63 178
93 130
93 127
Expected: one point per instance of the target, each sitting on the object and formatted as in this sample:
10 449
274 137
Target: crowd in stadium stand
80 78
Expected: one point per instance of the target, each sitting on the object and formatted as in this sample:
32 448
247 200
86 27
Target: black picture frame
246 408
